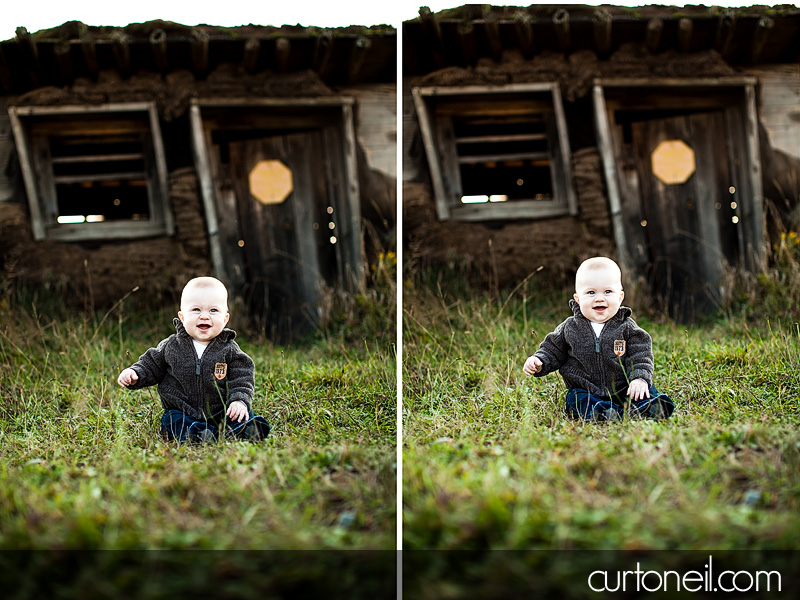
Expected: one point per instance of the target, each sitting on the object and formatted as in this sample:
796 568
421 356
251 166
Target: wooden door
288 250
689 229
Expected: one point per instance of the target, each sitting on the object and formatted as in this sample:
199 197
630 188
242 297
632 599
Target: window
497 152
93 172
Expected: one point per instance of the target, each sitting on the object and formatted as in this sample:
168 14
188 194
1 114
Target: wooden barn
666 137
148 154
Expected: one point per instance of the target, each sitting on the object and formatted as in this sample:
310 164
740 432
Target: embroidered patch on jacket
619 347
220 370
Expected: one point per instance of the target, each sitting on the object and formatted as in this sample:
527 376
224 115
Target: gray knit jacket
589 363
202 388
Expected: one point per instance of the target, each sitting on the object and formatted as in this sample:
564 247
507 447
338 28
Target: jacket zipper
198 379
600 365
597 349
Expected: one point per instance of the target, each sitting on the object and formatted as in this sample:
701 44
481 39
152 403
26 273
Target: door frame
673 93
352 270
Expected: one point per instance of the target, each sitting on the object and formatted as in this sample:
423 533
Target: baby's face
204 313
599 294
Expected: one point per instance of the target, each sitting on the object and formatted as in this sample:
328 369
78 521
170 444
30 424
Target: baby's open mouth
204 327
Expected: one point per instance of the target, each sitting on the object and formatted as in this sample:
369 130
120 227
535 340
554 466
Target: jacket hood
226 335
622 313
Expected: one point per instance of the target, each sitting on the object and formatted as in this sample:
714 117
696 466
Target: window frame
40 186
442 156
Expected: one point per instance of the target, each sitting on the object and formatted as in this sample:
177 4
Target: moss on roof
546 11
75 30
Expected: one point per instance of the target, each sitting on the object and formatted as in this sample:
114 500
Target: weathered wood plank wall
779 104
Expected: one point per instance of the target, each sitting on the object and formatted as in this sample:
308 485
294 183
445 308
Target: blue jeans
583 405
178 426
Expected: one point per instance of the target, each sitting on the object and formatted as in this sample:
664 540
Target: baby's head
204 308
598 289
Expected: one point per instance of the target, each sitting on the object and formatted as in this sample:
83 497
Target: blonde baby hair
205 283
597 263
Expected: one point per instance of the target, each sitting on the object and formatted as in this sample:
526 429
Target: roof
462 36
58 56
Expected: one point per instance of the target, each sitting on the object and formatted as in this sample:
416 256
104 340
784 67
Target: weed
84 467
492 462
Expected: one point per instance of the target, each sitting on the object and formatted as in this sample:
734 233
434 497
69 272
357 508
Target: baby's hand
237 411
532 365
638 389
127 377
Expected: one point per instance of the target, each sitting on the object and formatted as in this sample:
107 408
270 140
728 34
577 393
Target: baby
601 353
204 379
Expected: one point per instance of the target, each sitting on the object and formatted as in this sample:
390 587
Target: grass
492 463
82 465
